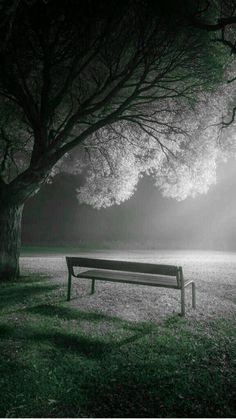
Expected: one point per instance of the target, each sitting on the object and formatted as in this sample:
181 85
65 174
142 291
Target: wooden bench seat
130 277
167 276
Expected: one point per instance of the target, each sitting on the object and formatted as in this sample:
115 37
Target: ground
213 272
122 352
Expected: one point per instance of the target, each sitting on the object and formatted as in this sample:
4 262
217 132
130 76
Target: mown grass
56 361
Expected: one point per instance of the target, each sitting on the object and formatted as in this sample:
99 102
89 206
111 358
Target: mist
146 220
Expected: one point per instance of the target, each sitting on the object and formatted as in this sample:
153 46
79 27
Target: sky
146 220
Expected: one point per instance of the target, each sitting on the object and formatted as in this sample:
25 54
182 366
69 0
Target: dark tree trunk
10 240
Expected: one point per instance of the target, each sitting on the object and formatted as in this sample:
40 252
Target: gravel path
213 272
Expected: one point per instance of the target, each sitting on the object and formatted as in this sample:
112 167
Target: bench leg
182 301
69 287
93 286
193 295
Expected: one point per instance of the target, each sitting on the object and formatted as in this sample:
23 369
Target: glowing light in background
147 220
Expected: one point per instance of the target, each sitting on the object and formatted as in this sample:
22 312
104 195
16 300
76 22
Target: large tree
77 74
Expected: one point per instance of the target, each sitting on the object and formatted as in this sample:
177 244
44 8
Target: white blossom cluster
185 168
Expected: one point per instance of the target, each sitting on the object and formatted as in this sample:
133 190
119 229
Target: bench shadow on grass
92 347
79 342
66 313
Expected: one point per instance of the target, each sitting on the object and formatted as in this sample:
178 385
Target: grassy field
60 361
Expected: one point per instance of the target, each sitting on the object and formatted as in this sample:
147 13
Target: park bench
136 273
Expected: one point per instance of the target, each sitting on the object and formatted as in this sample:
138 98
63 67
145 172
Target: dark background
146 220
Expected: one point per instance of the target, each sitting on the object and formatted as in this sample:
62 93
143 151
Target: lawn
58 360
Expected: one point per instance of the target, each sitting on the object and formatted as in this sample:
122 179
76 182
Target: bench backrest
117 265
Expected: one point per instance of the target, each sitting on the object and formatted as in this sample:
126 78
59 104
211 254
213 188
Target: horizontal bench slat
132 278
148 268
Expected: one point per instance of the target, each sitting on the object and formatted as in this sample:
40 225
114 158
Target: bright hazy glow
145 221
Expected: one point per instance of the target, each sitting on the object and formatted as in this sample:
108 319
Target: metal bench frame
124 272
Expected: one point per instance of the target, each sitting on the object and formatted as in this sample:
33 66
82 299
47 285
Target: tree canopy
86 74
183 165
